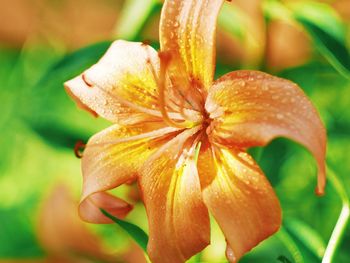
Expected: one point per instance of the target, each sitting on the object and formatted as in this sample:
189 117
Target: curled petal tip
78 82
89 208
230 254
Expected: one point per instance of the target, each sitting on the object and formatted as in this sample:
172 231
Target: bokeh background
45 42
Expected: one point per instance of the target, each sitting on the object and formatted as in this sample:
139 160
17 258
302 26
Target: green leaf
330 47
134 231
54 110
133 18
58 135
322 23
328 33
289 243
232 20
306 235
283 259
75 62
321 15
274 9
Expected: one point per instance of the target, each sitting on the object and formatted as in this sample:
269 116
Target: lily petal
187 32
177 217
113 157
251 108
122 86
239 197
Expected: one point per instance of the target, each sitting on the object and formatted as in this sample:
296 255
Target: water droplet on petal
265 87
279 116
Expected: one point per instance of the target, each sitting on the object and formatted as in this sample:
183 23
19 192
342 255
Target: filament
79 149
164 63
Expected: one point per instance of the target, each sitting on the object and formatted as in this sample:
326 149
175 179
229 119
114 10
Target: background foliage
39 123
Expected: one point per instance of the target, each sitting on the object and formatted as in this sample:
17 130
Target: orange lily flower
183 136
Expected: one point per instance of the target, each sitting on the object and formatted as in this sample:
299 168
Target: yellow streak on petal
113 157
251 108
239 197
178 219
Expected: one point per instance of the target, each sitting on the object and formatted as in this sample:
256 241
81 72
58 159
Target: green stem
288 241
343 218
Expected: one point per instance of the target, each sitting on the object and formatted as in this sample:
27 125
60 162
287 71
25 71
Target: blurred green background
43 43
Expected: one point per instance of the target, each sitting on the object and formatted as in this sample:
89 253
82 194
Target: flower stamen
90 85
79 149
165 58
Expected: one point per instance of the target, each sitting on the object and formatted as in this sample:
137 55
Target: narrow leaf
274 9
283 259
330 47
232 20
327 31
54 110
134 231
306 235
289 243
75 62
134 16
321 15
322 23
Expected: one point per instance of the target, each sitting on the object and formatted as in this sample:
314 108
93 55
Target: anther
146 42
86 81
79 149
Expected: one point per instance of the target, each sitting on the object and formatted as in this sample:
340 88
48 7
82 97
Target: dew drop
242 83
265 87
279 116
